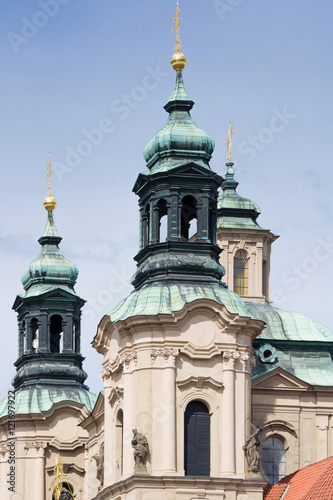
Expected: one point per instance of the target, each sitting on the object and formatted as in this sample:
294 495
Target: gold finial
178 60
231 133
49 202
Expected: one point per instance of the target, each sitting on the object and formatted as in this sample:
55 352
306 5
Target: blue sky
99 71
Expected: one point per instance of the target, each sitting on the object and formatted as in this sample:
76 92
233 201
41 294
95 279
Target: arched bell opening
56 333
189 218
162 221
34 325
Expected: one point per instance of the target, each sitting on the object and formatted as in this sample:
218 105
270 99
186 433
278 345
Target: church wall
301 417
258 247
195 355
39 439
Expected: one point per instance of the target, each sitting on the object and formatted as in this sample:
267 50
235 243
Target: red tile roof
314 482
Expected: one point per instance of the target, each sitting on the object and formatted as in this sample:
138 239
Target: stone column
174 217
28 348
322 437
164 410
43 332
40 471
35 451
128 423
108 427
155 224
4 469
203 218
21 332
228 413
87 478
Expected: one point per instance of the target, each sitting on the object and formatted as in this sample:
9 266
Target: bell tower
49 315
177 198
178 350
246 246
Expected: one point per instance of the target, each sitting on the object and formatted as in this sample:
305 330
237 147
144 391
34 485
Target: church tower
49 318
246 246
50 398
178 350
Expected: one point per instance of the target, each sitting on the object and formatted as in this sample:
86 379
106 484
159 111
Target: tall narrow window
188 218
241 272
264 278
34 334
55 333
197 440
119 441
163 221
274 459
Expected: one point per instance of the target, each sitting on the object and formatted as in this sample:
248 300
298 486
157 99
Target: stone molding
199 383
35 448
3 450
169 355
229 359
106 374
116 394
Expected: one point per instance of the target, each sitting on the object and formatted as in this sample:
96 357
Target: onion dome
233 210
51 267
181 139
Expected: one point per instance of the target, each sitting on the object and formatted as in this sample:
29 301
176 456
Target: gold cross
49 173
178 20
231 133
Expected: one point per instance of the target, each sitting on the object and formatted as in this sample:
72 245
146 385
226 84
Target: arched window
55 333
34 334
197 440
241 272
162 220
119 441
188 218
274 459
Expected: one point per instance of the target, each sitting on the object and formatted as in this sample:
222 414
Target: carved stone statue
140 445
251 450
100 466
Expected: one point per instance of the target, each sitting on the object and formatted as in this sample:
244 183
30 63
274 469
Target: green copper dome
50 267
180 139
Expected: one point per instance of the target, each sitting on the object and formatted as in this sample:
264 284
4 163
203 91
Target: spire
178 60
232 208
231 133
49 202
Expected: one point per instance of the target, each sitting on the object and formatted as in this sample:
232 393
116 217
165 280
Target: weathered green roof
50 268
238 223
301 346
39 399
233 211
167 298
313 367
180 139
287 325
